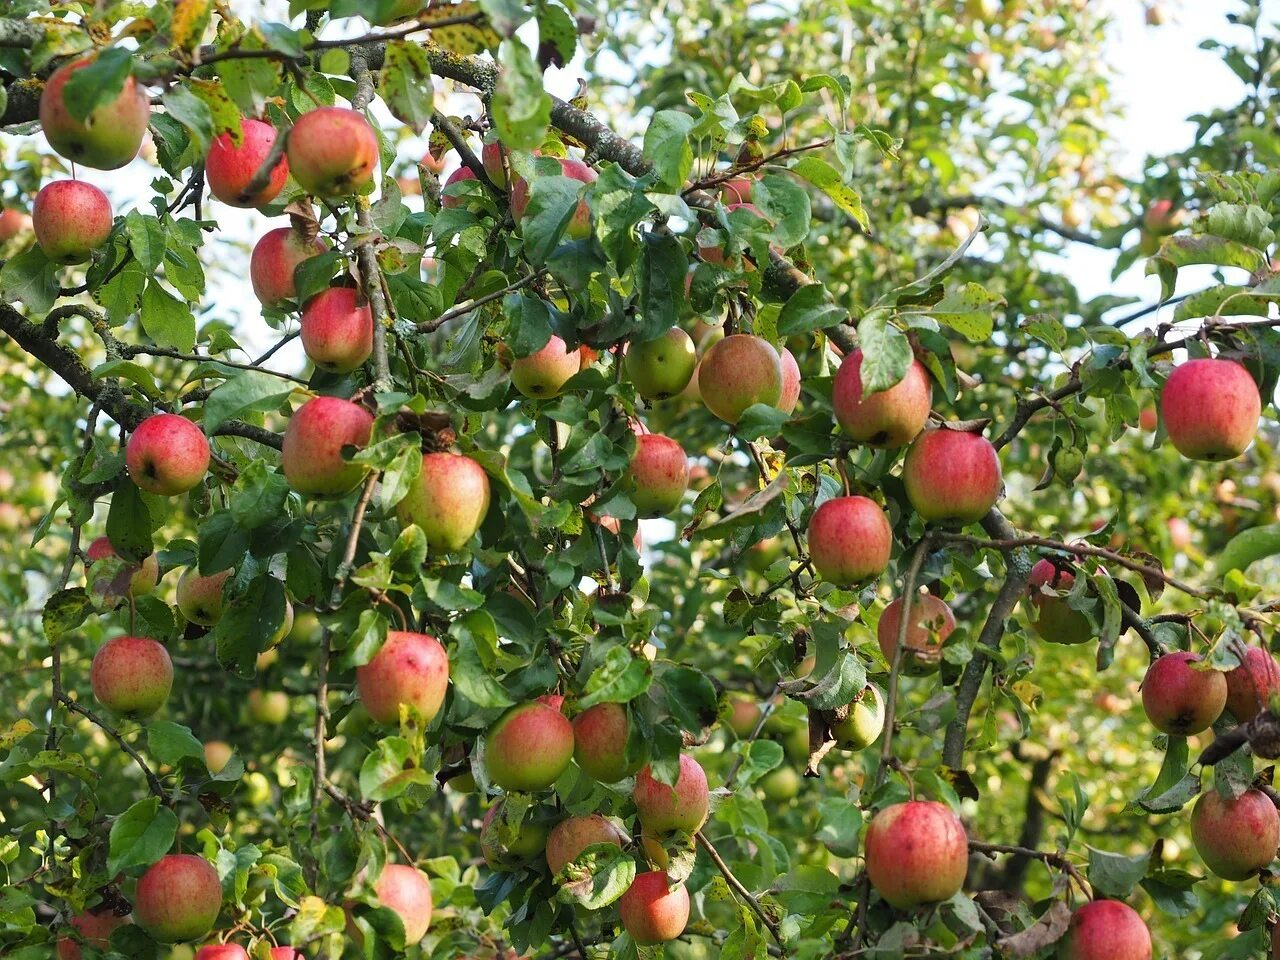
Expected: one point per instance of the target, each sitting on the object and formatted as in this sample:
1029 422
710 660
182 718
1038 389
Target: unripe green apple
737 372
744 714
864 722
651 911
600 737
448 500
931 623
1235 838
1105 930
850 540
167 455
1055 619
131 676
529 841
916 853
1180 699
1210 409
406 891
657 476
178 898
951 476
528 747
780 785
410 669
200 598
109 137
542 374
570 837
311 456
268 707
665 809
333 152
890 418
661 368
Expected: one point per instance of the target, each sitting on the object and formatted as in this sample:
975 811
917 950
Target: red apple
1149 419
916 853
313 442
333 152
109 137
71 220
94 928
541 374
450 199
1105 930
579 226
890 418
200 597
790 382
570 837
529 747
222 951
737 190
665 809
448 500
1210 409
1179 533
229 169
653 912
951 476
850 540
661 368
167 455
493 157
286 953
410 669
739 371
1179 699
1250 685
1055 619
142 579
600 737
178 898
1235 838
407 891
131 676
337 329
931 622
275 258
12 223
658 475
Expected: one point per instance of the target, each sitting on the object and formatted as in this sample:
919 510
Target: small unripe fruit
1055 619
229 169
529 841
1105 930
651 911
663 367
268 707
600 736
333 152
217 754
167 455
658 475
1250 685
407 891
109 137
528 747
275 258
737 372
665 809
1210 409
131 676
71 219
337 330
569 838
410 669
94 928
1235 838
931 622
448 500
1179 699
542 374
916 853
864 722
178 898
951 477
890 418
850 540
780 785
744 714
200 598
142 579
311 456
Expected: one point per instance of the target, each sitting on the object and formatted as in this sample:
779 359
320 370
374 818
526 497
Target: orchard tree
690 518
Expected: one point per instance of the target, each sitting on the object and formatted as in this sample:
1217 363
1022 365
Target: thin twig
153 782
736 885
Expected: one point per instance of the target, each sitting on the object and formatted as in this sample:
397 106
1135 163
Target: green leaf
691 697
171 742
405 84
129 522
886 353
390 770
141 835
660 284
474 658
968 311
598 876
249 623
1114 874
521 107
758 758
620 678
63 611
30 278
167 320
1247 547
192 112
785 203
810 308
98 83
258 496
146 239
827 179
131 371
552 202
666 147
250 391
760 420
840 823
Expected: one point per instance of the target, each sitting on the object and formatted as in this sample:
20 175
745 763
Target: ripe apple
1055 620
931 623
94 929
570 837
178 898
142 579
222 951
737 190
916 853
790 382
200 598
529 747
1250 685
529 842
1179 699
448 500
1105 930
71 220
780 785
109 137
1235 838
744 714
1210 409
337 329
579 227
1179 533
890 418
286 953
276 256
450 199
1149 419
217 754
658 475
167 455
651 911
864 723
268 707
410 669
541 374
406 891
665 809
663 367
318 431
229 169
951 476
600 736
131 676
850 540
12 223
333 152
739 371
493 157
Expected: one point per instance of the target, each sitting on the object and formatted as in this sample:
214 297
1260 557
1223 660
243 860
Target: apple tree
693 514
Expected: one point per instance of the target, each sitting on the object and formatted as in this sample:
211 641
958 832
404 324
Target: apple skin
916 853
178 898
450 200
951 477
790 382
337 330
448 500
528 747
167 455
12 223
737 190
579 227
267 707
222 951
864 724
275 257
658 475
744 714
1054 619
1179 533
410 669
407 891
1180 700
570 837
665 809
286 953
1210 409
739 371
143 579
780 785
311 456
333 152
71 219
109 137
95 928
229 169
1105 930
217 754
1235 838
850 540
600 735
663 367
540 375
131 676
493 157
891 418
529 842
200 598
1250 685
651 911
931 623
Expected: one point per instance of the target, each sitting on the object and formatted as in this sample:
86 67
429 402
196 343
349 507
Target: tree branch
153 782
737 886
